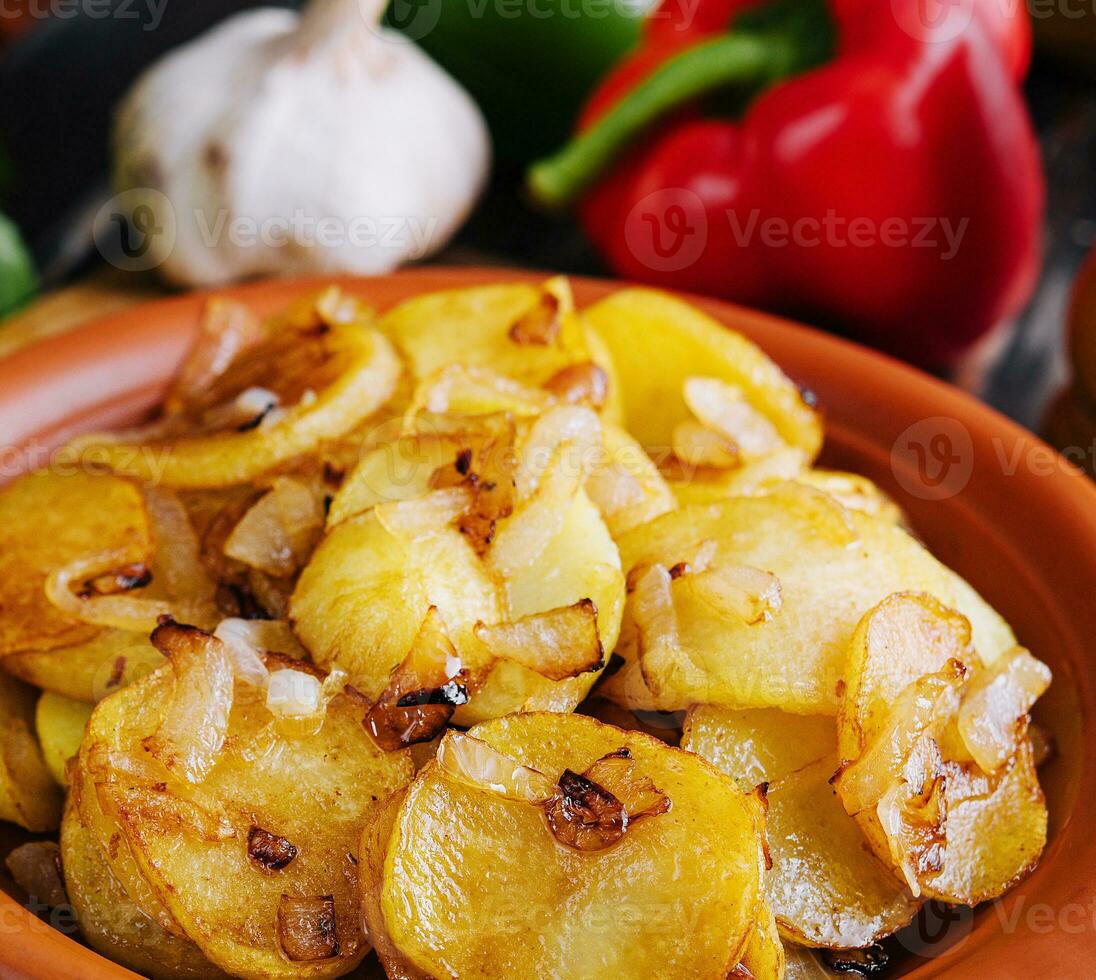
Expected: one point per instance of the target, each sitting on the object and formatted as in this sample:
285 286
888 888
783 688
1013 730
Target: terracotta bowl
989 499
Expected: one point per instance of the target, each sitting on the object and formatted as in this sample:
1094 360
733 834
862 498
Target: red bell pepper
867 164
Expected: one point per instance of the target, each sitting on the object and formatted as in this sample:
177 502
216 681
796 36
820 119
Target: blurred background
226 132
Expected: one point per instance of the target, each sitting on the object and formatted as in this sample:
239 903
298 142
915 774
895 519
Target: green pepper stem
725 60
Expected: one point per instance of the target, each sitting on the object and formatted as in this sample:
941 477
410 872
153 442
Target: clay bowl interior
990 500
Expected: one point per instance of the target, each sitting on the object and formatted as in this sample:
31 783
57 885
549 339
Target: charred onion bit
586 382
306 928
269 851
592 811
423 693
124 579
539 326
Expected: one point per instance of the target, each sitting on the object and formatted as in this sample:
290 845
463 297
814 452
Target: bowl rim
100 373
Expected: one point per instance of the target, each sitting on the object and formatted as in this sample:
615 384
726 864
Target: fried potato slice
59 723
473 882
658 342
111 921
757 745
47 521
28 794
851 490
957 833
279 399
764 955
832 565
277 815
88 671
824 887
361 600
528 334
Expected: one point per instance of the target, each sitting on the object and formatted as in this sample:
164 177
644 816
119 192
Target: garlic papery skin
286 144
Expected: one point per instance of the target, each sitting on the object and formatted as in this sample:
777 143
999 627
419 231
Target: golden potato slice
832 565
48 521
362 598
956 832
28 794
279 399
473 883
256 862
529 334
757 745
824 886
60 723
658 342
764 955
88 671
110 920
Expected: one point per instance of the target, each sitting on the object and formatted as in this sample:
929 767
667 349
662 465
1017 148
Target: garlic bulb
284 143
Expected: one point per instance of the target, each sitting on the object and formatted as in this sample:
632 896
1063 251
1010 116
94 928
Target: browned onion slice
583 815
269 851
306 928
540 325
557 644
424 690
586 382
191 735
593 810
226 329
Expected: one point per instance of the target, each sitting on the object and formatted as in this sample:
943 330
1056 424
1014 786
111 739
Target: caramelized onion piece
523 536
572 424
616 773
540 325
723 408
306 928
655 617
921 713
424 690
584 816
226 329
191 735
586 382
269 851
278 533
69 589
240 643
464 389
36 868
557 644
913 815
424 516
473 762
739 591
995 704
697 445
593 810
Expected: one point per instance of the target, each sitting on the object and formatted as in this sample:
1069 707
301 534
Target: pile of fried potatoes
294 667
